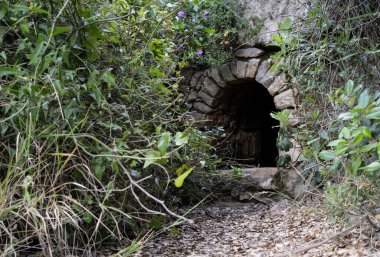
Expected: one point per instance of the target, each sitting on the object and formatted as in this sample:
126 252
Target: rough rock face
265 14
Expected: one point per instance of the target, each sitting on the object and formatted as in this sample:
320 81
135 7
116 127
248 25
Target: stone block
209 100
252 67
226 73
200 82
241 69
203 108
210 87
276 86
285 100
192 96
195 78
257 178
249 52
263 69
214 74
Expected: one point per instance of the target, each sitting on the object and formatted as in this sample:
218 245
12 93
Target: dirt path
252 229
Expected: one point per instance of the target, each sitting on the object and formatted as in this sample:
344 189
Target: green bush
353 159
92 127
338 42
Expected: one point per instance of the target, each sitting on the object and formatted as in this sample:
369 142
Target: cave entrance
251 132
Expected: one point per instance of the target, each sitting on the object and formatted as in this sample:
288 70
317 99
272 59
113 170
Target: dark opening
251 131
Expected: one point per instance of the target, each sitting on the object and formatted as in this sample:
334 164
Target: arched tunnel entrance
251 133
239 96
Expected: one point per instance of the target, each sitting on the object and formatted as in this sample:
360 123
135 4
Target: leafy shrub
92 126
338 42
353 158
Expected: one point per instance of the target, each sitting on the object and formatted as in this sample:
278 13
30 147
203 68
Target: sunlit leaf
179 181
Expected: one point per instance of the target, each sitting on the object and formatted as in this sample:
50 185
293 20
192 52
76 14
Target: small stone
210 87
263 69
249 52
252 67
203 108
285 100
243 196
209 100
276 86
226 73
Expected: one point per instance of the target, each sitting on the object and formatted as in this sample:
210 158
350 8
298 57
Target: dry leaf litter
256 229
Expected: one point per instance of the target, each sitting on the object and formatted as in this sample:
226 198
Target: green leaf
87 217
356 163
179 181
164 142
378 150
278 39
327 155
285 24
210 31
358 138
363 100
367 148
180 170
152 157
6 71
373 114
374 166
346 116
181 138
349 86
156 72
366 132
38 10
337 142
99 167
109 78
345 133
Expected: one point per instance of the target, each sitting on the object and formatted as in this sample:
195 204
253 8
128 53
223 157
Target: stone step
287 181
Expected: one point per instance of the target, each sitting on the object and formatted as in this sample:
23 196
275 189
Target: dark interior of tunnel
251 132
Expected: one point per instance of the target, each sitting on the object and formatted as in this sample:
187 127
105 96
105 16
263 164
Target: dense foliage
93 131
333 57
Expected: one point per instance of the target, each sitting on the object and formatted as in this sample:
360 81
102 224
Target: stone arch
218 96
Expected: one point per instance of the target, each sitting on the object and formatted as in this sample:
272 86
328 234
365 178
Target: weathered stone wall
263 15
213 94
